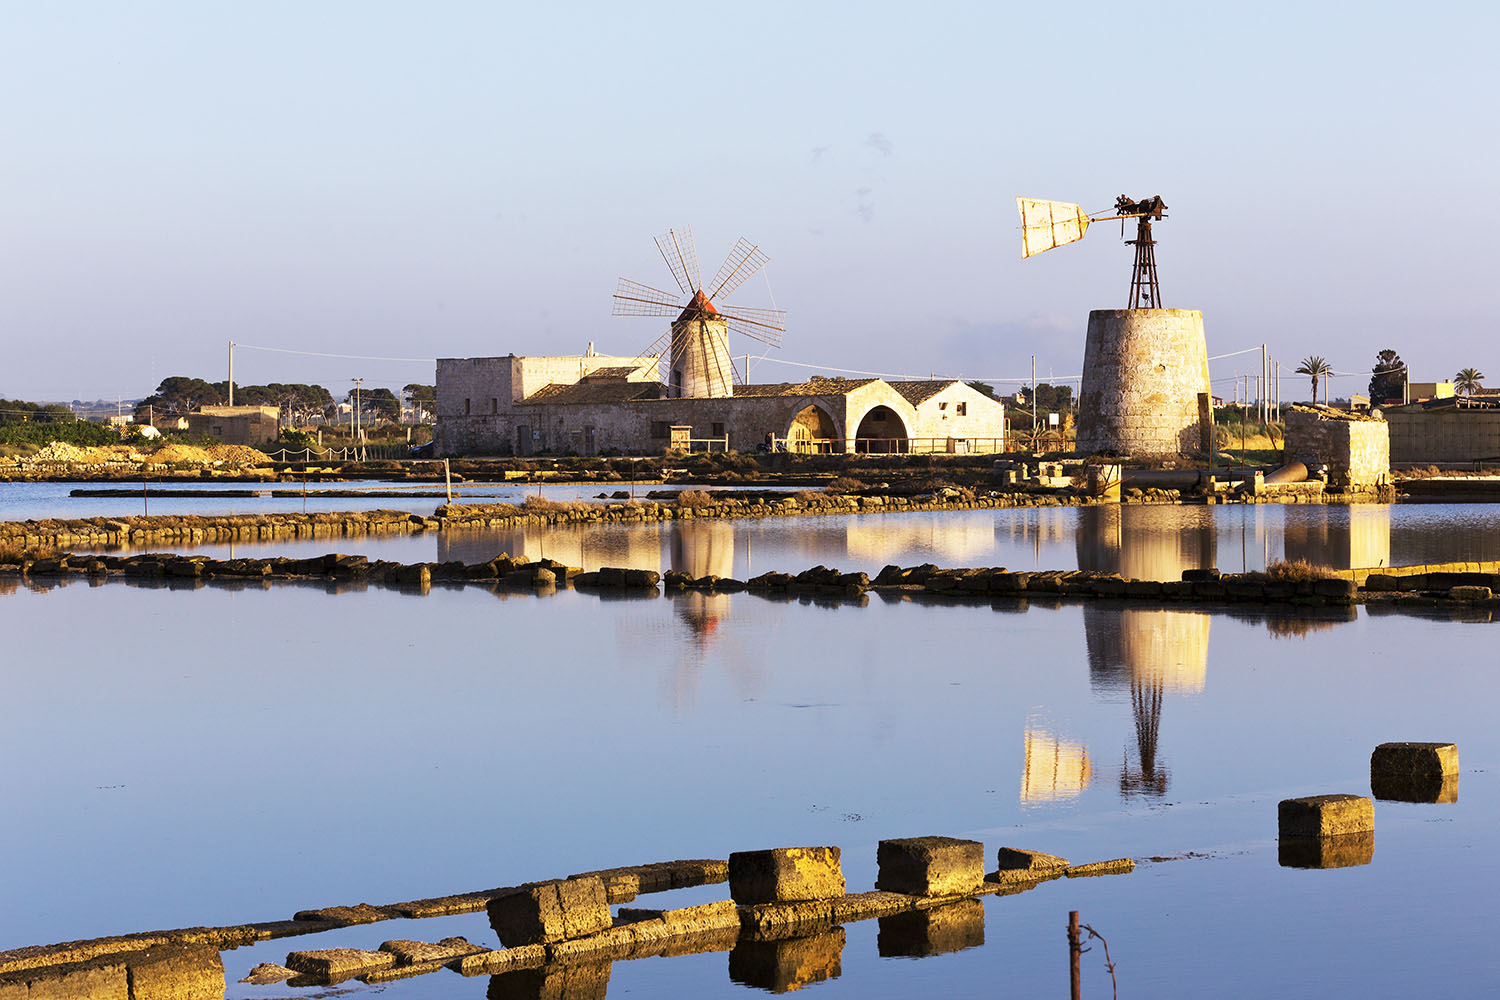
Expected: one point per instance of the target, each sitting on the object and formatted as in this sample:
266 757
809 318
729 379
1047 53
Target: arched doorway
811 430
881 430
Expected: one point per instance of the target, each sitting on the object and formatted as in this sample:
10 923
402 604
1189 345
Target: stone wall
1440 436
476 397
1142 372
1356 448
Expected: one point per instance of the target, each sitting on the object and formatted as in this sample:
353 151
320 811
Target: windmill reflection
1150 652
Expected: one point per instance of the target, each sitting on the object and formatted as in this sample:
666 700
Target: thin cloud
865 208
878 142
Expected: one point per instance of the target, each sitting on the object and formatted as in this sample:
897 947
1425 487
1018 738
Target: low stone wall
1449 435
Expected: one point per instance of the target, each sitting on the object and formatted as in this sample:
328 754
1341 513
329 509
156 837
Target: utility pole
231 373
355 427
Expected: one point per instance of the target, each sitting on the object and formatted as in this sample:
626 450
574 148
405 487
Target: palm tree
1317 368
1468 381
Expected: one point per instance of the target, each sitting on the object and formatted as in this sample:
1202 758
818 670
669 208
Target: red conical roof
699 307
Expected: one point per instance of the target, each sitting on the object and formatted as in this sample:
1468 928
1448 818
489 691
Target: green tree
1387 378
1468 381
382 403
1316 367
981 387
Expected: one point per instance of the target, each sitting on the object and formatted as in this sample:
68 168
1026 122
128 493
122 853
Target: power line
321 354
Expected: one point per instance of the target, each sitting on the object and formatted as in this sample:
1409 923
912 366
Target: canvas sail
1048 224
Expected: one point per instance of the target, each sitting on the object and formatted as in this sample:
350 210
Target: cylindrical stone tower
699 358
1142 372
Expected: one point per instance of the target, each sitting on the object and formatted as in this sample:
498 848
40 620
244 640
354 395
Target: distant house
251 425
1421 392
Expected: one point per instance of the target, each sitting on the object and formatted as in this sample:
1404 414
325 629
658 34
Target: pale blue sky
464 178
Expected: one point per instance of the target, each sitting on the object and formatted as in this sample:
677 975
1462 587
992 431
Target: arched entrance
881 430
811 430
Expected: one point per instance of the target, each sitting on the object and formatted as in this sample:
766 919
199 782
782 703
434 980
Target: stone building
1355 448
592 404
251 425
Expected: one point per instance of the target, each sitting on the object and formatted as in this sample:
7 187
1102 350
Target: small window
961 408
717 431
659 429
494 405
466 407
942 406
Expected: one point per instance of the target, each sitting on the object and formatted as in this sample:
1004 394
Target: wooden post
1075 950
145 503
448 479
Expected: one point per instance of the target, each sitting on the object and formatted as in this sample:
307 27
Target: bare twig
1109 963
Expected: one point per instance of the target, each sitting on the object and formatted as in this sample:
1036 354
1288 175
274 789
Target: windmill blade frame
744 261
632 298
681 254
764 325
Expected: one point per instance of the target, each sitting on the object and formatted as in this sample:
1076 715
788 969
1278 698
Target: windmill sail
1048 224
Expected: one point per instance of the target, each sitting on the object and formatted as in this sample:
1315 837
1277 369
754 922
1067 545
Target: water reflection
1055 769
1142 543
1428 788
1356 537
1347 851
945 541
790 963
1151 653
584 981
938 931
699 549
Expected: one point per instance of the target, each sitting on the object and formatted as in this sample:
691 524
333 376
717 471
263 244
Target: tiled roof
622 371
816 386
594 392
916 393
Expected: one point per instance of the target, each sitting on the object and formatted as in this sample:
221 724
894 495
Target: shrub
846 484
695 498
1297 571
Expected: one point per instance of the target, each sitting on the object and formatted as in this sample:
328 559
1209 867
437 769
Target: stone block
332 965
188 972
551 911
930 866
777 920
1325 816
1345 851
360 913
1115 866
103 978
1439 759
489 963
582 981
414 952
790 963
1468 593
937 931
1034 862
785 874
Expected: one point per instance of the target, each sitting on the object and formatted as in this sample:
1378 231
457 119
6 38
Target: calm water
1153 543
217 756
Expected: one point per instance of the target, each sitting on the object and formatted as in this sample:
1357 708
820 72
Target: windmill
1048 224
693 355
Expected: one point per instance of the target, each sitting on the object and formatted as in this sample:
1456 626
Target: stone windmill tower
1145 388
694 353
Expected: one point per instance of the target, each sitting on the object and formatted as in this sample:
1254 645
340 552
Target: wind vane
1048 224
